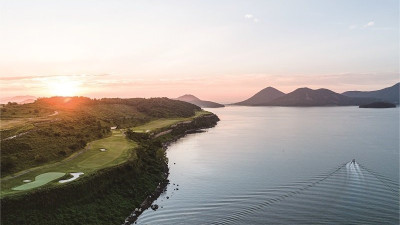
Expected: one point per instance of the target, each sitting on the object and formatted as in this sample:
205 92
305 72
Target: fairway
97 154
40 180
118 149
156 124
115 145
161 123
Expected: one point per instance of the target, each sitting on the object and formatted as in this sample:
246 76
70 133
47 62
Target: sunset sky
217 50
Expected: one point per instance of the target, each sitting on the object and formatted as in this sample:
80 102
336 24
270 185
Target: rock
154 207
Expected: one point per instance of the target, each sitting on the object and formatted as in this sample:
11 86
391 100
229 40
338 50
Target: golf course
98 154
118 149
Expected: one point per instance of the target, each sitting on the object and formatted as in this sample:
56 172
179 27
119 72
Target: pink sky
221 88
223 51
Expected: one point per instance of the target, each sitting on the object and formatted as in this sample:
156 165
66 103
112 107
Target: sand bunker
74 177
103 149
27 181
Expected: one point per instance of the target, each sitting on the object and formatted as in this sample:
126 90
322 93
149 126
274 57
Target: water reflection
285 166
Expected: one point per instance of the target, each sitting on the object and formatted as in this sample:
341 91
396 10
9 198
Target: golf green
40 180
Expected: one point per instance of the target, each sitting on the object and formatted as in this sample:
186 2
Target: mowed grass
156 124
116 146
118 149
40 180
160 123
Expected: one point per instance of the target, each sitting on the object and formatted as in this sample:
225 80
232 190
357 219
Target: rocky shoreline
162 186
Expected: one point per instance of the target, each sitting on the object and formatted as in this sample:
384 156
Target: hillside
264 96
319 97
122 170
18 99
201 103
51 129
389 94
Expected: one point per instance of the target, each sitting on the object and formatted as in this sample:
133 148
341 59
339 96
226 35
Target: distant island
320 97
200 103
389 94
18 99
378 105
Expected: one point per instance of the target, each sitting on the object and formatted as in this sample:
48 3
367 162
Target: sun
63 87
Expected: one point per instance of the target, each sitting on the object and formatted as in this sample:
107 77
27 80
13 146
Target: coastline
162 186
98 199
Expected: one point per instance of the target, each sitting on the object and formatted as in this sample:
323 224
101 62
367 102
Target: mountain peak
188 97
262 97
389 94
196 101
18 99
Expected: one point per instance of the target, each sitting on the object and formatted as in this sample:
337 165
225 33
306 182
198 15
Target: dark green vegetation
106 195
378 105
201 103
389 94
110 194
52 129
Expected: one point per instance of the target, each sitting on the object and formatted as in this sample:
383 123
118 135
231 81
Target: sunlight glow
63 87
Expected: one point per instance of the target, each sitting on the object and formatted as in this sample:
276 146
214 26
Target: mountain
201 103
319 97
389 94
18 99
264 96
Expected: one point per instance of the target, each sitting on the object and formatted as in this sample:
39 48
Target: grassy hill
120 169
51 129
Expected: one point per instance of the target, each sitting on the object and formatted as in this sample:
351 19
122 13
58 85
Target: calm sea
285 165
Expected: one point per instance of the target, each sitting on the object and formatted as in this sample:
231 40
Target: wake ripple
350 194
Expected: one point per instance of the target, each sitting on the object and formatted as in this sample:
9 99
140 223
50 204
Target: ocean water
285 165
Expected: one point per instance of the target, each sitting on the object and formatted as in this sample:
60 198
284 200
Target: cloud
370 24
352 27
355 26
251 17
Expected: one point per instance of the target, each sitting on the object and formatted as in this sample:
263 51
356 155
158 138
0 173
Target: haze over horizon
223 51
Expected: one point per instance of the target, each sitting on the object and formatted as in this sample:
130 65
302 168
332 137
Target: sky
218 50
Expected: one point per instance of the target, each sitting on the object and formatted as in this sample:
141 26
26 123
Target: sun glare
63 87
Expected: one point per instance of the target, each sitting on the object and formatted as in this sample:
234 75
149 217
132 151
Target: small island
378 105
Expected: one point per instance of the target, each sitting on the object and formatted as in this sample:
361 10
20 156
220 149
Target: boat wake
359 195
348 194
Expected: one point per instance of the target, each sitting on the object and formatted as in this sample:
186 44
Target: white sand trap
27 181
74 176
147 131
103 149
